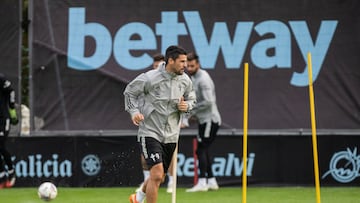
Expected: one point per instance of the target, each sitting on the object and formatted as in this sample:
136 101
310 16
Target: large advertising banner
115 161
85 52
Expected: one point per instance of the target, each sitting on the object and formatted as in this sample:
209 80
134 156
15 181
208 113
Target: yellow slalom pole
245 128
313 129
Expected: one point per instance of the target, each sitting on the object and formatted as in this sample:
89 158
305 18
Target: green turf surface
224 195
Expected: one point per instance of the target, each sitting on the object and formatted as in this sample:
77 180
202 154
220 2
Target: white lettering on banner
222 166
169 30
35 166
344 166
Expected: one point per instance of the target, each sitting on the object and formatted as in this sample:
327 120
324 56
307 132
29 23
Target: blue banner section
82 61
115 161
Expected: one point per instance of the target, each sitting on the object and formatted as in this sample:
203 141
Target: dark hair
158 57
192 56
174 52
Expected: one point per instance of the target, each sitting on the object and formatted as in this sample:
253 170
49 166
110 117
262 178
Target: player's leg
201 186
146 172
153 183
154 153
170 178
168 164
2 173
145 168
201 154
11 177
159 158
139 196
212 183
2 166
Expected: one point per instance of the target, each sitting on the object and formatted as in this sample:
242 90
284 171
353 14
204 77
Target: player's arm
132 91
208 97
189 97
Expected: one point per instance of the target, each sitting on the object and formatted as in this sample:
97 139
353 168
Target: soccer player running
168 93
157 60
208 117
7 116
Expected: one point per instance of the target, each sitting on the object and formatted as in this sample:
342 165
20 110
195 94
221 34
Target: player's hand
182 105
137 119
13 117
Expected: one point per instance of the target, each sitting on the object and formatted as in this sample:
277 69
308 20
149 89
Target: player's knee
157 177
157 174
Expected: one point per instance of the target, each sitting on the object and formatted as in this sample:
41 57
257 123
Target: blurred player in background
7 116
157 60
167 94
207 114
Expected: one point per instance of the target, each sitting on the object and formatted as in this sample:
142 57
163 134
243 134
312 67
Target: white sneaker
132 199
198 188
169 187
212 184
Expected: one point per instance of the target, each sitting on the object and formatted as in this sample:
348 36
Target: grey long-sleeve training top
156 94
206 109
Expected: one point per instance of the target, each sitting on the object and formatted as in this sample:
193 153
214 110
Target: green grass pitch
224 195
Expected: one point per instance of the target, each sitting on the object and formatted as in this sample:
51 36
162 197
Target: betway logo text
37 166
222 166
233 48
